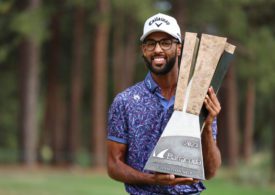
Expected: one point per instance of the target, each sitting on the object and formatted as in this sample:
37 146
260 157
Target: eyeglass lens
165 44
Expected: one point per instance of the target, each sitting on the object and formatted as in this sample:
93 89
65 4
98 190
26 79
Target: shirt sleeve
117 123
214 129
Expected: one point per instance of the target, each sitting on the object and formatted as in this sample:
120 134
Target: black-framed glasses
165 44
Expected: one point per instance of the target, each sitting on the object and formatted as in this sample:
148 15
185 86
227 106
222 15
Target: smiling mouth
158 60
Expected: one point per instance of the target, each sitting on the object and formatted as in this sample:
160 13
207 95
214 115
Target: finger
213 96
183 180
196 180
166 176
164 179
211 114
211 107
171 177
211 104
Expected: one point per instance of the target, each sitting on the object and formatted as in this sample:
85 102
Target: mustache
156 56
170 64
153 57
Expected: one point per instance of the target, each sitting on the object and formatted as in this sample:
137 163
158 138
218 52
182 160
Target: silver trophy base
178 155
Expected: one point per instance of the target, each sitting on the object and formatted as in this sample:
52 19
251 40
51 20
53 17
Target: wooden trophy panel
189 53
210 51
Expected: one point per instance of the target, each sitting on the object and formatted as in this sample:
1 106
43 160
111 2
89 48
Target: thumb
171 177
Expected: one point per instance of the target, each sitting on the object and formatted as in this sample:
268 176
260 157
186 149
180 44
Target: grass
41 181
57 182
226 187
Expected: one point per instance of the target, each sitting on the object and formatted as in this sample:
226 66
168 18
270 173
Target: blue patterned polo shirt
137 118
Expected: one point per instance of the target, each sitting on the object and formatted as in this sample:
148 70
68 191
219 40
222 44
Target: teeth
159 60
158 57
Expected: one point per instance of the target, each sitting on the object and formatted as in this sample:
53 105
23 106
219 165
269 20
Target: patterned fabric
137 118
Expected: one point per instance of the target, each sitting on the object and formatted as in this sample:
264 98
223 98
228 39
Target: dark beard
168 66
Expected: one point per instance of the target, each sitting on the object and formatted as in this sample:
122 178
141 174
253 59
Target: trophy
204 62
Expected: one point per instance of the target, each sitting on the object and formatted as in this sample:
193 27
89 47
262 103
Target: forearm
211 153
126 174
120 171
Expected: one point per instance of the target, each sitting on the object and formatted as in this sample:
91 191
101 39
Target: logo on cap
156 19
158 25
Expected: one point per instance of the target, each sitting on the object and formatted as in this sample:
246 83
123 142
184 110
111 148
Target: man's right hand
169 179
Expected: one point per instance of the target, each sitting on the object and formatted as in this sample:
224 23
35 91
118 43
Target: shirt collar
151 84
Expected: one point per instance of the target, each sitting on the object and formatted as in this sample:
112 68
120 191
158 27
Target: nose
158 48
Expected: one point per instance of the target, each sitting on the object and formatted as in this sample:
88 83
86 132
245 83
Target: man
138 116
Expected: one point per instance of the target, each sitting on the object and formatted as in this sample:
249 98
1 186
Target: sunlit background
63 61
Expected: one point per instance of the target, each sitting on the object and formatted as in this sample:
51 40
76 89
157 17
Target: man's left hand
213 106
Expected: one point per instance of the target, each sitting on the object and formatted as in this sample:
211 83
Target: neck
167 83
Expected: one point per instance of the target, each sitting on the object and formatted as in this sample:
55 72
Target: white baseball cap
161 23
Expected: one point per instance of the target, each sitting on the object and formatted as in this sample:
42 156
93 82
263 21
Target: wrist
207 128
208 124
149 178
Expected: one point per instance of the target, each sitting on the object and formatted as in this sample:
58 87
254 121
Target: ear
142 48
179 49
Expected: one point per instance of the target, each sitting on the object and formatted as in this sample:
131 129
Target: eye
150 43
166 43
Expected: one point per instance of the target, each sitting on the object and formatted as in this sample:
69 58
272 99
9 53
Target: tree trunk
249 121
99 103
55 107
130 54
74 134
119 44
222 140
125 52
273 154
180 9
272 111
228 138
29 83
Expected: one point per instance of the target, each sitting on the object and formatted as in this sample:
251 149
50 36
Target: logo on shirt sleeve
136 97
